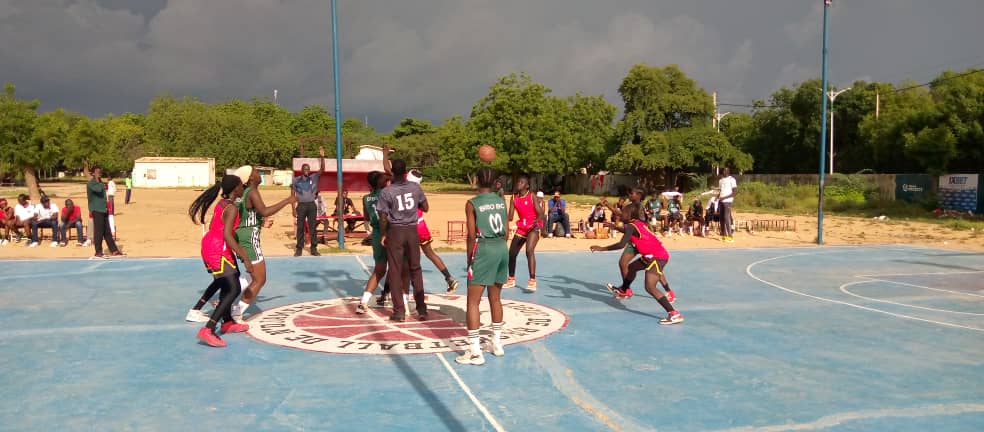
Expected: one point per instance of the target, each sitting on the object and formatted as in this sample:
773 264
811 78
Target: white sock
243 306
244 280
366 295
406 299
497 333
473 342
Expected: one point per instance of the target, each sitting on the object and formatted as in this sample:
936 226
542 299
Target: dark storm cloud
435 58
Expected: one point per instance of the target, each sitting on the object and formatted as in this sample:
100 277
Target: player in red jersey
653 258
529 208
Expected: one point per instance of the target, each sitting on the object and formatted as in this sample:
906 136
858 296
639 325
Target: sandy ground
155 224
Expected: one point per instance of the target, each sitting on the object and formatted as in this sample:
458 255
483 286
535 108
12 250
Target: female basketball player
487 264
653 258
217 247
530 210
635 197
377 181
252 210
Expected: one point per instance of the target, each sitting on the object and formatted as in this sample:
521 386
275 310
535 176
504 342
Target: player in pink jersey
426 239
529 208
217 246
653 258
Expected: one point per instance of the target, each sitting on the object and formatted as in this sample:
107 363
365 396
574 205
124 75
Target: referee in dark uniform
305 187
397 208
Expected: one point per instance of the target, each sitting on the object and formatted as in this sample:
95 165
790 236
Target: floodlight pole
833 95
823 123
338 126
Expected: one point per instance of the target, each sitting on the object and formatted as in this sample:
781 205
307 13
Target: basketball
486 153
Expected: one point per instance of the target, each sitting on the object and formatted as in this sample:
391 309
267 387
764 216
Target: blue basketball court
886 338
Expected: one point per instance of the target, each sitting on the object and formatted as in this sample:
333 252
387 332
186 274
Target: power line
940 80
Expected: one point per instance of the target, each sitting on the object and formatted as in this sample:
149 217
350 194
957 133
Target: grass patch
448 249
446 187
333 250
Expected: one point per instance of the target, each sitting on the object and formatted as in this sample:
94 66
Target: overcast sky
434 58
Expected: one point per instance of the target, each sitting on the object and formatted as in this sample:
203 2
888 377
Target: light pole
823 127
833 95
718 117
338 123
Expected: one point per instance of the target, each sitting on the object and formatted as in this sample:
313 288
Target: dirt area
156 224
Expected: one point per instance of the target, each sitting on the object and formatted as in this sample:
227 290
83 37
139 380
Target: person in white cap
252 210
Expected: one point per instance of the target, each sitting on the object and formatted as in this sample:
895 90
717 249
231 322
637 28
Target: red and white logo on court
332 326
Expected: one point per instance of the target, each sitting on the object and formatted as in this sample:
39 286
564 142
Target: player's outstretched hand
596 248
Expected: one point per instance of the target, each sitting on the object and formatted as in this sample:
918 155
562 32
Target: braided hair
199 207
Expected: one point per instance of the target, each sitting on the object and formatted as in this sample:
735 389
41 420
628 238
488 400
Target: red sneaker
212 339
233 327
627 293
670 297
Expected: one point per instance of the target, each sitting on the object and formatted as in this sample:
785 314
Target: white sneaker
195 315
53 244
495 348
87 243
33 244
3 242
468 358
550 235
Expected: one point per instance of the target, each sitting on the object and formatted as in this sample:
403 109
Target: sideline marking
461 383
925 287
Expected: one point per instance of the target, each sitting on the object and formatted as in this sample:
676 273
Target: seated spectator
695 214
25 215
557 213
6 221
348 209
47 218
654 211
71 216
597 214
674 210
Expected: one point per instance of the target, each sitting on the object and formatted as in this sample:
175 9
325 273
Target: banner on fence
959 192
912 187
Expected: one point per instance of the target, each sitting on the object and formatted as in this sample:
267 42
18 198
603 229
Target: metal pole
831 136
823 125
338 126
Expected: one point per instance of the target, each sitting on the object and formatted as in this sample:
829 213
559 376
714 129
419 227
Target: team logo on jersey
332 326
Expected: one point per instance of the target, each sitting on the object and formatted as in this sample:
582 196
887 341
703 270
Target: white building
162 172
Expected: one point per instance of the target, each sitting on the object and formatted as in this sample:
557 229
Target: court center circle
333 326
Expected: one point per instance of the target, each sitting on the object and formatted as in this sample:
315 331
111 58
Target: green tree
411 126
660 99
18 145
933 147
125 141
457 151
86 145
533 131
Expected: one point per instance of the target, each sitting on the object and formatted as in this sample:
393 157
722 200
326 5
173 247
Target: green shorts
491 263
249 239
378 251
630 249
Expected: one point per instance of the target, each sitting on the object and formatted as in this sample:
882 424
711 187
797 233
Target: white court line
748 271
920 274
843 289
461 383
832 420
924 287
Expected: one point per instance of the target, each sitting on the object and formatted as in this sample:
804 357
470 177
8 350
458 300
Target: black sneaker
422 314
314 252
297 252
381 301
399 317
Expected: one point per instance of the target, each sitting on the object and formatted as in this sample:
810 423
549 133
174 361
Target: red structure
354 173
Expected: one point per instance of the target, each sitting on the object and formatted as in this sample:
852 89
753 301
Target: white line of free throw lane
748 271
461 383
843 289
925 287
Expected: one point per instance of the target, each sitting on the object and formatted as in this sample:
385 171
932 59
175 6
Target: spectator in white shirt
729 187
111 202
47 218
25 215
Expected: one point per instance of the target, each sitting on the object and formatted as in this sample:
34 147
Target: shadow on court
568 291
